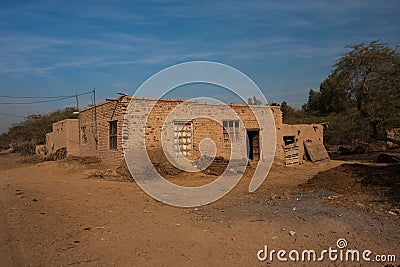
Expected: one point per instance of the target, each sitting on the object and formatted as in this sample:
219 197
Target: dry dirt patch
374 187
54 215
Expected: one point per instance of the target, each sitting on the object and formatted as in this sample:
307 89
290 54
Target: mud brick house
64 135
101 131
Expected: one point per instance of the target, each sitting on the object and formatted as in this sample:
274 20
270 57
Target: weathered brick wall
202 127
97 128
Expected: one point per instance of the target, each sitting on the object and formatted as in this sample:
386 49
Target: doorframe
250 145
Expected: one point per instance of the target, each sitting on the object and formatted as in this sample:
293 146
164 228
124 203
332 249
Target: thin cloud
282 44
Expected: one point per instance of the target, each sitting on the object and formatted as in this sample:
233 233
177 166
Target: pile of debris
219 165
60 153
371 187
216 168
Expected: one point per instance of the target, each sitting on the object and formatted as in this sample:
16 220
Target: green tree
370 75
24 135
254 101
333 96
313 104
291 115
286 110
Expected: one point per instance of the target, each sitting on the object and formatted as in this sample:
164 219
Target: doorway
253 144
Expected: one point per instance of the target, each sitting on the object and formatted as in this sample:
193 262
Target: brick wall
94 134
202 127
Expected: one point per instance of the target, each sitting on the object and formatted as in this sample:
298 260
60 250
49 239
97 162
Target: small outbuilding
65 136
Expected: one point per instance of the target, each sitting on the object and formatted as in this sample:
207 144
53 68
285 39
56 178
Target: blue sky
51 48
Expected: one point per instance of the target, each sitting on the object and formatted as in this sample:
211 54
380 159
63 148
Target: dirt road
53 214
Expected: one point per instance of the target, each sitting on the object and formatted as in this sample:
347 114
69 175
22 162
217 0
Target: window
113 134
288 140
231 128
183 138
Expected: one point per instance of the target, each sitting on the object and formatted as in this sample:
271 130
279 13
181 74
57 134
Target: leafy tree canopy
32 130
366 78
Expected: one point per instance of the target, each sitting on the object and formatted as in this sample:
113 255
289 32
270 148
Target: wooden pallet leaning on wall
291 154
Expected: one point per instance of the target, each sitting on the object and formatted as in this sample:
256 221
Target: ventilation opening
288 140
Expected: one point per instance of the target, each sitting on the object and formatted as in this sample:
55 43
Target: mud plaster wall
64 134
302 133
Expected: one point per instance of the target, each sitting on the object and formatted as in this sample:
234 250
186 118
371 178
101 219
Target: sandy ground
58 214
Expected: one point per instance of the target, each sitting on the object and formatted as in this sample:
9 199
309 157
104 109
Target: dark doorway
253 144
